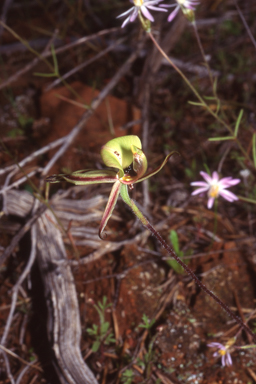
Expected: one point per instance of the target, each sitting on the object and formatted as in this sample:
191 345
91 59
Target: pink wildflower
141 6
215 187
184 5
222 352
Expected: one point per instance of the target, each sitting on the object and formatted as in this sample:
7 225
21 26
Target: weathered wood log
63 326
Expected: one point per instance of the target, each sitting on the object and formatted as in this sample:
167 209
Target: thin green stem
215 217
200 98
204 56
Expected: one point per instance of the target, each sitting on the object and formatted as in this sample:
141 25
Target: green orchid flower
128 166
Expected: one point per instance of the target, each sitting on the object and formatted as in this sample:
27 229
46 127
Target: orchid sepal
158 169
138 167
110 206
85 177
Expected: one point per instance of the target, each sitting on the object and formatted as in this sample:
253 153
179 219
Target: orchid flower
187 6
128 165
223 352
215 187
125 155
141 8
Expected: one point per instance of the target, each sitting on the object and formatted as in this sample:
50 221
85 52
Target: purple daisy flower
141 6
184 5
222 352
215 187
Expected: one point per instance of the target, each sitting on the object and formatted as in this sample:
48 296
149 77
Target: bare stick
20 234
83 65
6 6
33 155
44 55
245 24
18 284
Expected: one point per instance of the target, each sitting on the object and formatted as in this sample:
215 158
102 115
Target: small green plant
127 376
101 333
147 324
175 243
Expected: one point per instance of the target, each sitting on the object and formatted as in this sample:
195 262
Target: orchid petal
149 174
139 166
117 153
85 177
110 206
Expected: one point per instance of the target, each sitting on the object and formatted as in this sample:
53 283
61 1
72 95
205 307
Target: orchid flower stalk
128 166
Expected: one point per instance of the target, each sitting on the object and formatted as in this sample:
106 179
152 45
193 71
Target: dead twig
44 55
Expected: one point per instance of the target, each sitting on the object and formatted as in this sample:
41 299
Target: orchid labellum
125 155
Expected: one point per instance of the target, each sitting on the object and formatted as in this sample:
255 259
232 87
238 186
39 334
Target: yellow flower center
222 352
138 3
214 191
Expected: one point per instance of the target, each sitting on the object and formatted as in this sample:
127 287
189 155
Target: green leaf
175 241
238 122
55 61
44 74
104 328
196 103
96 345
221 138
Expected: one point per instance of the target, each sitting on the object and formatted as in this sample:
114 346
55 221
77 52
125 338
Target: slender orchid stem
125 196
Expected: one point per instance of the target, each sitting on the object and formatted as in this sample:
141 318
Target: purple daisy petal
214 344
199 184
168 5
210 202
215 176
146 13
126 13
199 190
229 182
173 14
156 8
228 195
134 15
206 177
228 359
